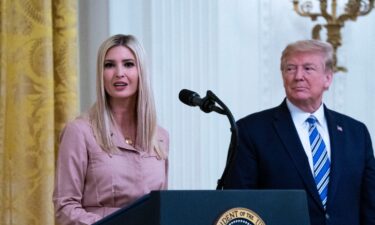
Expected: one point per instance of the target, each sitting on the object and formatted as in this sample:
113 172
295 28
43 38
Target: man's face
305 79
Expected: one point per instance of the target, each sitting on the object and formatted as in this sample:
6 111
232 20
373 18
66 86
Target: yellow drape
38 87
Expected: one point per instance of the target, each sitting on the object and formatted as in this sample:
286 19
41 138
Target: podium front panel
200 207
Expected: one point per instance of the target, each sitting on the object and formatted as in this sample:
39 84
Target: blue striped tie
320 160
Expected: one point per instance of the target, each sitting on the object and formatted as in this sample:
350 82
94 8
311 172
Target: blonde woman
116 152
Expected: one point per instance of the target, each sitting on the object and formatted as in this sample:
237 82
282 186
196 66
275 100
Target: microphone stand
233 140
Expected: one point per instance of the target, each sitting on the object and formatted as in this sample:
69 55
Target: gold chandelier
352 9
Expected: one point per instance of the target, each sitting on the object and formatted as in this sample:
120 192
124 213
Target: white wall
231 47
92 30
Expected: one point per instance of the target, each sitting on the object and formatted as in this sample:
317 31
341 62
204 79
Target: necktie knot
311 120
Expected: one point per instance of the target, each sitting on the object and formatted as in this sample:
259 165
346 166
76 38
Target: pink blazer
91 183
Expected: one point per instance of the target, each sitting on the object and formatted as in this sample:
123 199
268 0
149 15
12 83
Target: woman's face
120 73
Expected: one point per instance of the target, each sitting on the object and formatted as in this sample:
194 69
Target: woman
115 153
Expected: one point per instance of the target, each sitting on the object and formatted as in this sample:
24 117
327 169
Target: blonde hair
309 46
100 114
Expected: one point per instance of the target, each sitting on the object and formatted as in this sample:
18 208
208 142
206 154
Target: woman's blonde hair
100 114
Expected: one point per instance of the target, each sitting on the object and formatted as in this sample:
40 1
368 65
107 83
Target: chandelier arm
369 8
353 14
323 9
316 32
344 17
296 8
353 9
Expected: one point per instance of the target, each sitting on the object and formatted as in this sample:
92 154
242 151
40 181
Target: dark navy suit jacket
270 156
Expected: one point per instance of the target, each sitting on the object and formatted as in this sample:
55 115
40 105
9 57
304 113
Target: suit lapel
284 127
336 134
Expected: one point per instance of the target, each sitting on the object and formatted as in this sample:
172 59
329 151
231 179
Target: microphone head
186 96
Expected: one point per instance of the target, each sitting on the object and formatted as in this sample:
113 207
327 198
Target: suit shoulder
162 132
258 117
340 117
78 124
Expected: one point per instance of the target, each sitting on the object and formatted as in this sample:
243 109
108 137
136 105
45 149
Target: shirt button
327 216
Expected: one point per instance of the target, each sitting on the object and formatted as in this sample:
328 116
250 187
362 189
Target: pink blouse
91 183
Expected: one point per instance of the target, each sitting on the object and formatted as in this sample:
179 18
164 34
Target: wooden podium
200 207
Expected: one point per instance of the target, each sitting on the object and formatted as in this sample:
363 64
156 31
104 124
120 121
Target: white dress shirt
299 119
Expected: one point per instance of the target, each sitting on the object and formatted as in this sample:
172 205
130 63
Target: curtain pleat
38 44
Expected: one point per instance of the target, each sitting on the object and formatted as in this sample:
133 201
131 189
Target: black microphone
191 98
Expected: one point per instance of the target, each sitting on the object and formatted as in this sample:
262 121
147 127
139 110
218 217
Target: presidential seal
239 216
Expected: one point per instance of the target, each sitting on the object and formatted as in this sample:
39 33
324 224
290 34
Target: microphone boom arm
233 140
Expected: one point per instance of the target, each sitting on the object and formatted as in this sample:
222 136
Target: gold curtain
38 87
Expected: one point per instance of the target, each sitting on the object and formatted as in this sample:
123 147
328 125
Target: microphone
207 104
191 98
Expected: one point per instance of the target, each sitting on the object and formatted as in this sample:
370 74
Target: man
301 144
